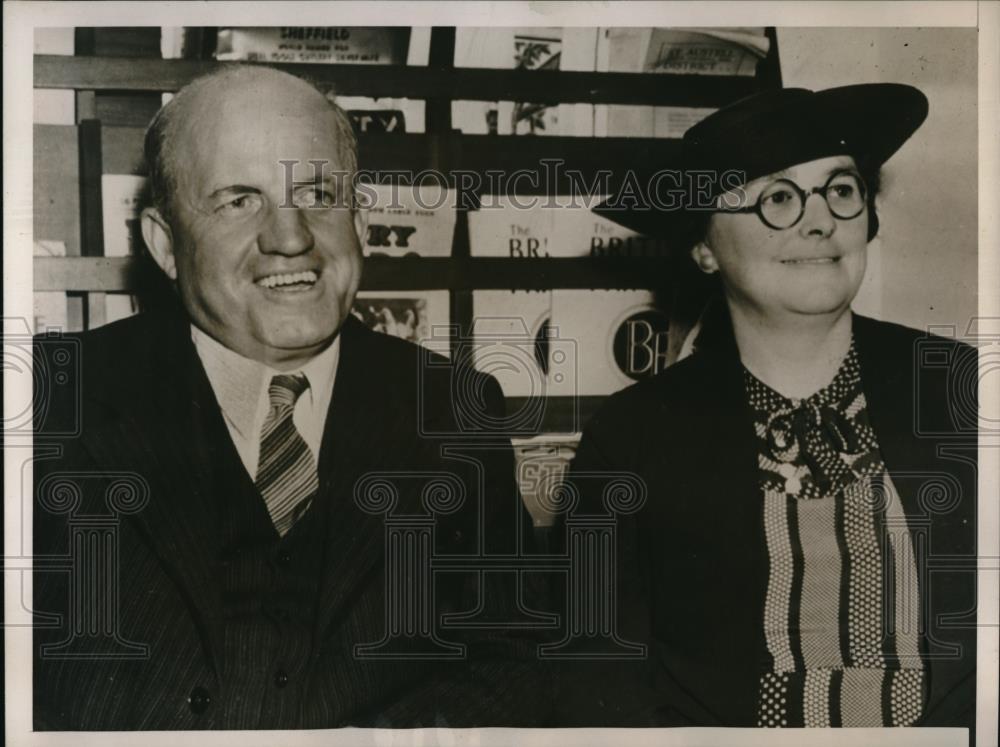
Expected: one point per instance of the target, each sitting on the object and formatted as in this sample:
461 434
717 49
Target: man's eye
843 190
238 205
314 198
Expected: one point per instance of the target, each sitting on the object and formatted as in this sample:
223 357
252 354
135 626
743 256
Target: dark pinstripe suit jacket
147 409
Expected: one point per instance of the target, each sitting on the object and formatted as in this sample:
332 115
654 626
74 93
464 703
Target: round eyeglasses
783 202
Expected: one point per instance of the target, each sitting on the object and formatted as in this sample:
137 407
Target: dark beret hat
774 130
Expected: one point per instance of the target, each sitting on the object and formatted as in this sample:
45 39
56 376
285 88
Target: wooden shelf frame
402 81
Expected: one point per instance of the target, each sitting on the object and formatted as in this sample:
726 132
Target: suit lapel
358 438
176 459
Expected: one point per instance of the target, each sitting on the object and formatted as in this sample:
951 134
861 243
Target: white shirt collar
239 383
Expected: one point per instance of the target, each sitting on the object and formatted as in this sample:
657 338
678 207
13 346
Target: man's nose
817 220
286 232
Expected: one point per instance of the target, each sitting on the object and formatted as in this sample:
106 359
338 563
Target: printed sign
342 45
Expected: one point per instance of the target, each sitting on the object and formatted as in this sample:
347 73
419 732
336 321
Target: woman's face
814 267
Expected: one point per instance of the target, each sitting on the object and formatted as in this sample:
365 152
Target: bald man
247 576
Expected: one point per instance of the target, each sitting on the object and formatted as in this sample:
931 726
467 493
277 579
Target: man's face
814 267
261 265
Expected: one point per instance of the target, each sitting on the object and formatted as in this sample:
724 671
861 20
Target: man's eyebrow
321 180
233 189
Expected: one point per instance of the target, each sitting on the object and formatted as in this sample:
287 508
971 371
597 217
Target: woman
777 572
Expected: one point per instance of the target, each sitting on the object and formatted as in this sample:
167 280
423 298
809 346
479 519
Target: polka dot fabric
810 447
773 700
907 696
831 570
816 698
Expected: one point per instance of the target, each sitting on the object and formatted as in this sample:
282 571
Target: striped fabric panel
864 604
779 585
906 688
820 605
816 698
907 603
906 696
842 611
860 701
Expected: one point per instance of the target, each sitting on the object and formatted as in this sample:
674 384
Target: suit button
199 700
284 558
280 678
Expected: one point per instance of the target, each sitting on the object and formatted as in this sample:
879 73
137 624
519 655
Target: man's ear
702 255
159 240
361 225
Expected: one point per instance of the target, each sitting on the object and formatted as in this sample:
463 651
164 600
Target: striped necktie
286 471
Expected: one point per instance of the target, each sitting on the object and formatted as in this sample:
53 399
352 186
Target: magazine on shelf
619 337
384 115
512 227
582 233
407 221
421 317
543 49
528 227
510 339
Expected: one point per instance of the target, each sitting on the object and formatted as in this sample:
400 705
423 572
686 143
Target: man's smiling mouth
289 281
811 261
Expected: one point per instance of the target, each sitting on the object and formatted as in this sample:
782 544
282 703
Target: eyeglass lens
782 203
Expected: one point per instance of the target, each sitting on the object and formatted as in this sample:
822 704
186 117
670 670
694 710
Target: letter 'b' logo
640 344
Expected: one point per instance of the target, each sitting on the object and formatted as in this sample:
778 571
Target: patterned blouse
841 612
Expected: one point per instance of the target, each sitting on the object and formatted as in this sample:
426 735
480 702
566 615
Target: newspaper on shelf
315 44
680 51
